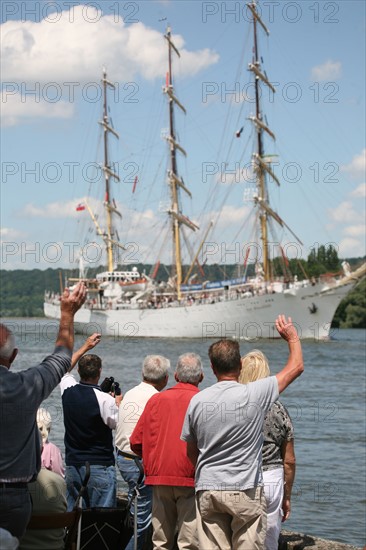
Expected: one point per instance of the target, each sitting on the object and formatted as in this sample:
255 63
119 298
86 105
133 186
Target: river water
327 406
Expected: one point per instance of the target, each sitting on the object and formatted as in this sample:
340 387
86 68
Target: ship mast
261 179
175 182
261 162
109 204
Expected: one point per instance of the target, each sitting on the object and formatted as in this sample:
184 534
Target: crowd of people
218 464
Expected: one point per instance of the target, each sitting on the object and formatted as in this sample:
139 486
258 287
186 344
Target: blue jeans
130 473
100 491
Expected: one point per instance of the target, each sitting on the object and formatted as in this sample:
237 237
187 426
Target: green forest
22 291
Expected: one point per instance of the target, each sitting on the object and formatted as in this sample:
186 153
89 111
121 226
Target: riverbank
300 541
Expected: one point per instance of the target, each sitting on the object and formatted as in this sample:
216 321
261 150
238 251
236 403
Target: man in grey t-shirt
223 430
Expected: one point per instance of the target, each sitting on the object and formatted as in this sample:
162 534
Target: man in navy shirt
21 393
89 417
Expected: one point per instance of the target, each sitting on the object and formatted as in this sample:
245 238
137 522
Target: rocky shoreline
300 541
289 540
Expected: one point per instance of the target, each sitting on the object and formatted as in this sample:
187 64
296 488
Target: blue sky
52 59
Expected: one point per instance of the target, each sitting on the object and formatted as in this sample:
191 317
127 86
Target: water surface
327 406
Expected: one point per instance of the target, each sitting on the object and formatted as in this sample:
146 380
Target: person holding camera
90 415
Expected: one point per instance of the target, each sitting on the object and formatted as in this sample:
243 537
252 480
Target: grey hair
155 368
189 368
7 345
254 366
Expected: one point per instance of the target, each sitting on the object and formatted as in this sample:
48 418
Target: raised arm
295 365
71 302
89 344
289 466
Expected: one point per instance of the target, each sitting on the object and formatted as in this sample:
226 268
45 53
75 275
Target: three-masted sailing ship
127 303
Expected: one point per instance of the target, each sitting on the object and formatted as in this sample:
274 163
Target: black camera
110 386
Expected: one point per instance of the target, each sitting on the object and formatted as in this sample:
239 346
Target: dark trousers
15 509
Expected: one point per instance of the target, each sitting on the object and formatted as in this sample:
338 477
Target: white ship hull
312 309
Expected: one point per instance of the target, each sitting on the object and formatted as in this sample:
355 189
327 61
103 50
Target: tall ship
127 303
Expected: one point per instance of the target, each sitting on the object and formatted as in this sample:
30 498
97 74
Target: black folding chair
105 529
111 528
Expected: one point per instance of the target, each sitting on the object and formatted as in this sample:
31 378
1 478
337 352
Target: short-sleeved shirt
277 428
226 423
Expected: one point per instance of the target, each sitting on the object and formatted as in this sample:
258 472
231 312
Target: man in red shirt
156 438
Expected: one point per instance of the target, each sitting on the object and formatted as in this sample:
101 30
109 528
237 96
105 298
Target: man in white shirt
154 378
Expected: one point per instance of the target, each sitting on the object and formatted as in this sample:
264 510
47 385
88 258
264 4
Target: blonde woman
278 455
51 456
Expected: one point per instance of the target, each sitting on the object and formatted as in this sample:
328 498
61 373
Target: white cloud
139 223
148 231
355 230
194 62
230 215
222 235
135 231
57 210
360 191
328 71
349 248
344 212
82 41
10 233
357 167
16 108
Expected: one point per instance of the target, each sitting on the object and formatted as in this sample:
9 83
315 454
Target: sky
53 54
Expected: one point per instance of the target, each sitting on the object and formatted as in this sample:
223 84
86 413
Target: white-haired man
155 371
167 468
21 393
